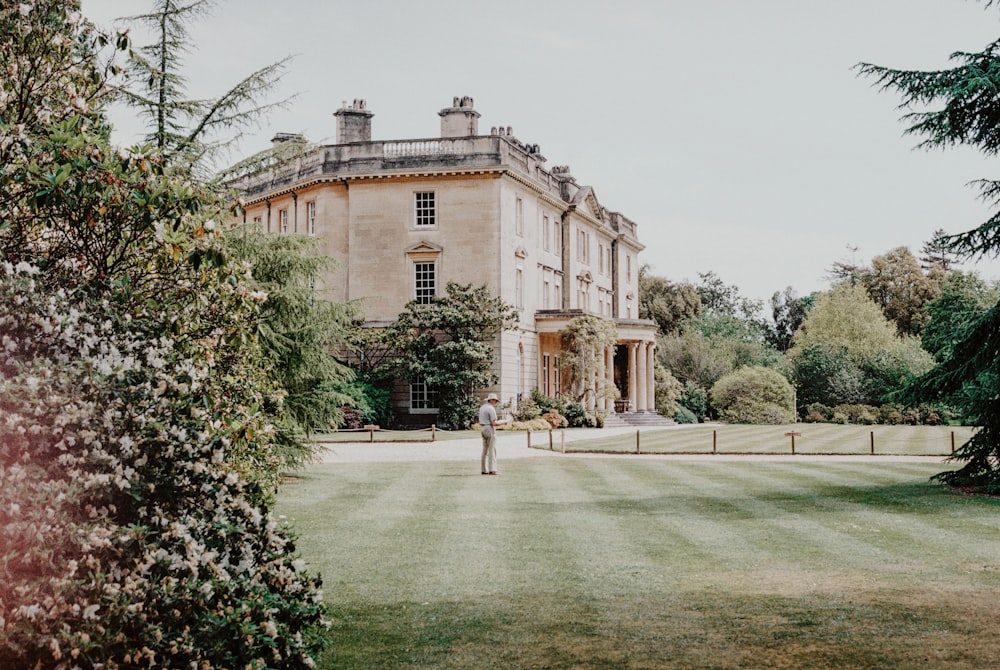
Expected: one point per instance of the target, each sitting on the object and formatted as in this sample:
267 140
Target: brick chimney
460 120
354 123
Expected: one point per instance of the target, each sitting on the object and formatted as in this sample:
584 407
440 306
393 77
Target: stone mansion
403 217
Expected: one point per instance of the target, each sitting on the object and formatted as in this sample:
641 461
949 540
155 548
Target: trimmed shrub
527 410
817 412
684 415
755 395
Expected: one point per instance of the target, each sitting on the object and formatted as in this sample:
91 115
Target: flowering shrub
136 450
126 541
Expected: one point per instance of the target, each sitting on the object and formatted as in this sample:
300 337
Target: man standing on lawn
488 421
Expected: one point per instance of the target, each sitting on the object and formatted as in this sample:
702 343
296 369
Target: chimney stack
354 123
460 120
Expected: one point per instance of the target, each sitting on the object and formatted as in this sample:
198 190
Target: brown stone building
403 217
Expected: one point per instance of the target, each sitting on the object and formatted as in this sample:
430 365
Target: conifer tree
961 106
191 133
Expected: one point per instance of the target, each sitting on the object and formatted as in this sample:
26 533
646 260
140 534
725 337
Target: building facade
403 217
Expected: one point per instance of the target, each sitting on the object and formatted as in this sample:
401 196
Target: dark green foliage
136 462
825 373
684 415
298 331
963 297
694 398
667 303
960 106
788 311
449 344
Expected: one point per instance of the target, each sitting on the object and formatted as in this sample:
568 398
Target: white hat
492 396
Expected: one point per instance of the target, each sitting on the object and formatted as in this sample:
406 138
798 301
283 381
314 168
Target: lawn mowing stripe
398 513
634 493
600 552
774 525
889 511
483 519
714 537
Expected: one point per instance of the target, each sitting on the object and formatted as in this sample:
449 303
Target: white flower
25 9
91 612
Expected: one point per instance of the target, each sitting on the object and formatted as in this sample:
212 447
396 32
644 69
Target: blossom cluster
136 450
128 540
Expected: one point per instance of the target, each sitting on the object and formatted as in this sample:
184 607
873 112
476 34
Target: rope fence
373 433
804 439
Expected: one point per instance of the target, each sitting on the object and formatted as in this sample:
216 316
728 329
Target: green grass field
618 562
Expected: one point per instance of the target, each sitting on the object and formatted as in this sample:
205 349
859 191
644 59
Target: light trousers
489 459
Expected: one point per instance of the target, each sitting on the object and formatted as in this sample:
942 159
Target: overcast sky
734 132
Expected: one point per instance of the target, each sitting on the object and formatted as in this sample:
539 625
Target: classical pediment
424 247
586 201
521 252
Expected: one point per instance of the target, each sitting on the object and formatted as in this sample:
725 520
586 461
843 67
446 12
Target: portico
624 383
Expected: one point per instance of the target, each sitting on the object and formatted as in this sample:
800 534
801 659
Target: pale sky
733 132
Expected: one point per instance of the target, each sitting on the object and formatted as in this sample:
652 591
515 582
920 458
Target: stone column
609 376
592 396
650 376
640 404
632 376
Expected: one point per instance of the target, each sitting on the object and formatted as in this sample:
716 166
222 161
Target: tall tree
846 317
788 311
960 106
448 344
666 302
719 297
299 331
964 297
900 287
935 252
298 327
190 132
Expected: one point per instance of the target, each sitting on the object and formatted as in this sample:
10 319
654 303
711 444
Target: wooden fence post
562 440
953 442
433 427
873 442
714 442
792 435
529 438
550 439
637 441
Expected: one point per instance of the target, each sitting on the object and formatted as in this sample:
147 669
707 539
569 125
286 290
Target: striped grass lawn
812 438
566 562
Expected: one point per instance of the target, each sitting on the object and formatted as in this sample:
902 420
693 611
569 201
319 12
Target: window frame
422 399
425 217
420 294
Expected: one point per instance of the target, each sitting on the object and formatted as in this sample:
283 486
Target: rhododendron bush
136 453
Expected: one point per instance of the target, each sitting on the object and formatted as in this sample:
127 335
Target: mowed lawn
628 562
